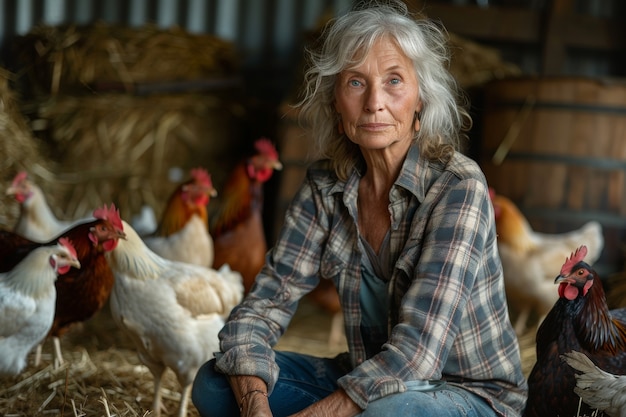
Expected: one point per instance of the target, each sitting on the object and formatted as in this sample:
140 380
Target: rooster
183 234
237 227
601 390
529 256
579 321
239 237
80 292
36 221
171 310
27 299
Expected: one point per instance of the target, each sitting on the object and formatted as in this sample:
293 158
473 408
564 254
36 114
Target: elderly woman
402 223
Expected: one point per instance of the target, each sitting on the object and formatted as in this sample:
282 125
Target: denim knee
451 401
211 393
303 380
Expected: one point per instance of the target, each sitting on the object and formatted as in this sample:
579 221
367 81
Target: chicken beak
212 192
11 191
562 278
277 165
75 263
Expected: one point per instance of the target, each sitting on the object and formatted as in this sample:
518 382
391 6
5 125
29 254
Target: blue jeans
305 379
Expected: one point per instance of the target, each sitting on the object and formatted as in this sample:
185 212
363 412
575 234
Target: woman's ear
418 116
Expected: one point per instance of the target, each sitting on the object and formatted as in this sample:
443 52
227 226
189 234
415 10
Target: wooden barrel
557 147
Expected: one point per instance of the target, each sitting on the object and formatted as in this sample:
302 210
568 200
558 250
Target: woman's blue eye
355 83
395 81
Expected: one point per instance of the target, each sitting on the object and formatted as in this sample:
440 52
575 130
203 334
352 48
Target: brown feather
178 212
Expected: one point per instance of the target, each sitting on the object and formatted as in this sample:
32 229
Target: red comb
111 214
200 175
21 176
68 244
266 147
574 258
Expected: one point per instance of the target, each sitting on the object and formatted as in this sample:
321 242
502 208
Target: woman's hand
337 404
251 393
256 405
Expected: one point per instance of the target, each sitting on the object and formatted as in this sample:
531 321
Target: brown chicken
183 233
237 227
80 292
579 321
528 258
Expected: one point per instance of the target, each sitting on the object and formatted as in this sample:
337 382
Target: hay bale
108 146
68 58
19 148
120 148
473 64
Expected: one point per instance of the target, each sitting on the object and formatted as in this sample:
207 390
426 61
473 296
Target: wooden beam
525 26
493 23
553 53
587 32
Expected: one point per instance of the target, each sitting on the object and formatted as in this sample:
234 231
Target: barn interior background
104 100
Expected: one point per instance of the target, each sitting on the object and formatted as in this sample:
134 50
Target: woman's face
378 99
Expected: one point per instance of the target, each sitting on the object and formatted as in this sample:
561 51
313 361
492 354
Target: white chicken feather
528 258
599 389
27 302
171 310
36 221
177 246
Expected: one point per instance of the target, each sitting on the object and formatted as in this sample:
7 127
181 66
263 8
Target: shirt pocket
332 265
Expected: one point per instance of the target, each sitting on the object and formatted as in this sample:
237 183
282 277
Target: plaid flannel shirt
448 317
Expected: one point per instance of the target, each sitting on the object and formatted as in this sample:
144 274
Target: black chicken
579 321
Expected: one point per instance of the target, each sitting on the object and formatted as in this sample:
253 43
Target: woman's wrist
250 393
247 396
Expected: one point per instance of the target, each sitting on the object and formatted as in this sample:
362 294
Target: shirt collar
412 175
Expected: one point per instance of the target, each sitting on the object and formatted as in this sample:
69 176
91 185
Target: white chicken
36 222
27 302
172 311
597 388
528 258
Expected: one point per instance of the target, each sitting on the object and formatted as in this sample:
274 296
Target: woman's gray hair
443 119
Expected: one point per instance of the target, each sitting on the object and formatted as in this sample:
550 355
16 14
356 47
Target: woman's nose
374 99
